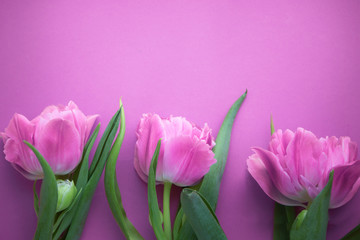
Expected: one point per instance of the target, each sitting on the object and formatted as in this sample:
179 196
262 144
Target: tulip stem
166 210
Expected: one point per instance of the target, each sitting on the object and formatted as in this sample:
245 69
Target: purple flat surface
299 60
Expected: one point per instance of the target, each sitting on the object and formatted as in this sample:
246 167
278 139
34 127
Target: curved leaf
201 216
83 174
111 185
48 197
152 197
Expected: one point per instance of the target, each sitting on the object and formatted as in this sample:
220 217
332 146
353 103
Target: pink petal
353 151
18 130
137 167
311 190
51 110
177 126
341 151
259 172
303 154
278 175
78 118
186 160
83 123
345 184
149 132
72 106
206 136
59 142
280 141
90 121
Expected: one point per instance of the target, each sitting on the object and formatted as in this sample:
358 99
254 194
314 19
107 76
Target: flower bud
66 194
300 218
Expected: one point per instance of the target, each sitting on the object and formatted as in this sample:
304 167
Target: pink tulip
185 154
297 167
59 133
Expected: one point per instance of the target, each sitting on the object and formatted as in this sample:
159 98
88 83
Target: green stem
166 210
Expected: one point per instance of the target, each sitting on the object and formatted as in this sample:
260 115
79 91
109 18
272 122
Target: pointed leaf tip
272 128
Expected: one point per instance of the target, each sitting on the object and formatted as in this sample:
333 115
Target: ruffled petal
341 151
206 136
16 152
345 184
177 126
186 160
20 128
278 175
275 145
259 172
303 154
51 110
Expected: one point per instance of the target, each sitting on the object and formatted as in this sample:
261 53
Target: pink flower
185 154
59 133
298 164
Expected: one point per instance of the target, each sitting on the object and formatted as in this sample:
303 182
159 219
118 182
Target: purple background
299 60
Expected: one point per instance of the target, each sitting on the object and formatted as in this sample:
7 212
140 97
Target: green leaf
48 196
152 197
111 185
201 216
36 200
102 144
101 155
315 223
211 183
83 175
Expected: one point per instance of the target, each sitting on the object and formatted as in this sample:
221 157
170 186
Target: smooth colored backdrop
298 59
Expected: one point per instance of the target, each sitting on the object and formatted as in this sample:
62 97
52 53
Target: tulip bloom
185 154
297 167
59 133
